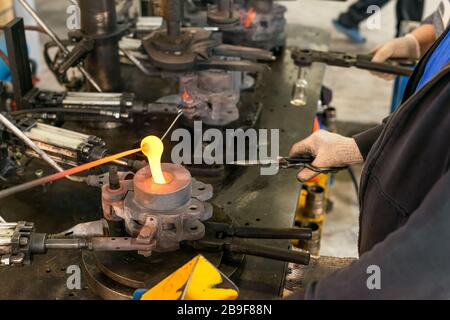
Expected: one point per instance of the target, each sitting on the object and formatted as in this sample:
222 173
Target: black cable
354 180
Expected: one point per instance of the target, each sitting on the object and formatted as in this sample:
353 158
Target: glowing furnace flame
153 148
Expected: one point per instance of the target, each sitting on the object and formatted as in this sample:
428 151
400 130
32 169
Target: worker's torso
410 156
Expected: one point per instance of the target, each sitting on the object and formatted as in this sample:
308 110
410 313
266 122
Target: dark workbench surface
260 201
270 201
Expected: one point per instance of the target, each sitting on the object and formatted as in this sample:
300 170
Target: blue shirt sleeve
439 58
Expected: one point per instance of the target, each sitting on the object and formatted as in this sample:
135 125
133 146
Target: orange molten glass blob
248 18
153 148
186 97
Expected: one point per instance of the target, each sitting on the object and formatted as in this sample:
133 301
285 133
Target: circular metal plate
178 60
116 275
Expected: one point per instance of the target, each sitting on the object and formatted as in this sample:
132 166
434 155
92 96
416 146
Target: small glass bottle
299 94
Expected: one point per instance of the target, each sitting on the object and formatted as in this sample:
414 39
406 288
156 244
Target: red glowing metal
86 166
248 17
60 175
186 97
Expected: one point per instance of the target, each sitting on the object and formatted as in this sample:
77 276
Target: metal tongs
306 57
299 162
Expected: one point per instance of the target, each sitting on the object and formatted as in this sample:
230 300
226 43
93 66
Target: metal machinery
19 242
147 231
162 215
210 74
253 23
172 52
100 32
263 26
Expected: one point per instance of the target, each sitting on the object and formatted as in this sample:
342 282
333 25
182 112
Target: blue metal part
5 74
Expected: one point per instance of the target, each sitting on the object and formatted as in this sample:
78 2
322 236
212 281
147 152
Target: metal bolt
39 173
114 180
23 241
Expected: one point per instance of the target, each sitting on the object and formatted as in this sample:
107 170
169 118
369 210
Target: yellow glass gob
152 147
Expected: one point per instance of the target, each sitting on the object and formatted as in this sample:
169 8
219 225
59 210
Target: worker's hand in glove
329 150
406 47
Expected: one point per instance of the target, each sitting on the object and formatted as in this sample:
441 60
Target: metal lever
223 230
384 68
243 52
298 257
274 233
100 244
76 56
305 57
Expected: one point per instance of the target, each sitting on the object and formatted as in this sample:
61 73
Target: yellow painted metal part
198 279
321 180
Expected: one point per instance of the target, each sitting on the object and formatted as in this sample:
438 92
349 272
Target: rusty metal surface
251 199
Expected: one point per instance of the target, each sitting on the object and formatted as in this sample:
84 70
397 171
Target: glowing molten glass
248 18
186 97
153 148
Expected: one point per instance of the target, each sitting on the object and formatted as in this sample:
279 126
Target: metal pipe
66 244
172 15
135 61
180 113
297 257
315 202
99 21
58 42
226 6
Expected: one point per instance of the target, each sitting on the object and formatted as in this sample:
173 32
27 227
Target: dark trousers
411 10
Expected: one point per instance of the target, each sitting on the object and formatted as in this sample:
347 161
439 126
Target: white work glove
329 150
405 47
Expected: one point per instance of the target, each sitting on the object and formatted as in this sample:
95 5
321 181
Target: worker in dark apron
405 186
